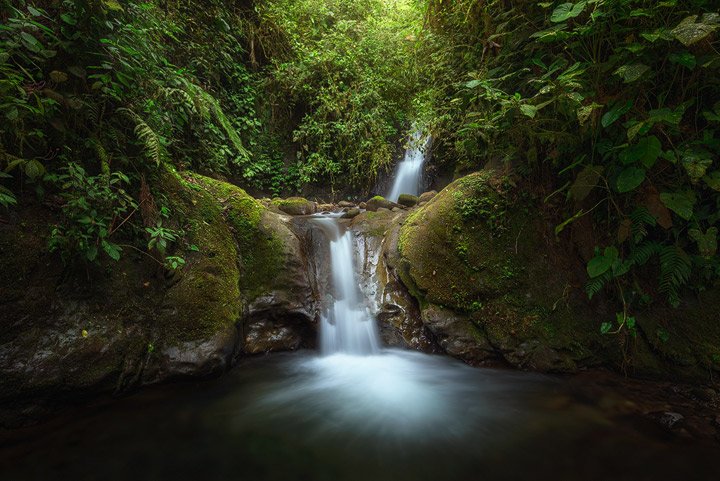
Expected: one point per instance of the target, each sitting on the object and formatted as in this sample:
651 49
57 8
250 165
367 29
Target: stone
671 420
296 206
351 213
326 207
362 205
426 196
345 203
457 335
379 202
408 200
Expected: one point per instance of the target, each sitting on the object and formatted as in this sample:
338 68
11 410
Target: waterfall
409 171
347 325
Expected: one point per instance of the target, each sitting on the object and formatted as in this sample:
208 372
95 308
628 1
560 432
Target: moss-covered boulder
408 200
494 284
243 289
379 202
427 196
296 206
351 213
489 283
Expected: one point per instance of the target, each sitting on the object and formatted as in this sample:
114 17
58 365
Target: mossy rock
296 206
379 202
477 249
133 322
408 200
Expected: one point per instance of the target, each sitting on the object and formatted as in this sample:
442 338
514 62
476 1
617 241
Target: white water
409 171
347 326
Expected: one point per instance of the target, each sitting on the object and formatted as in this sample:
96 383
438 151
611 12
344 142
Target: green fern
597 284
151 140
641 254
102 154
189 102
675 271
641 218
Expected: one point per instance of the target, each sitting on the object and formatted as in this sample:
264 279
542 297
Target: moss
475 249
208 292
449 244
295 206
260 251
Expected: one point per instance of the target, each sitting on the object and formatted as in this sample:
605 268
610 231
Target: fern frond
641 254
102 155
675 271
597 284
224 122
641 218
188 101
150 139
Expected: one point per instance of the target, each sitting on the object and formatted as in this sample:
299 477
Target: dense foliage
609 109
98 96
611 105
346 70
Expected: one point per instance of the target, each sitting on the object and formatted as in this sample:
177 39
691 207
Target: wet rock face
396 312
265 333
457 335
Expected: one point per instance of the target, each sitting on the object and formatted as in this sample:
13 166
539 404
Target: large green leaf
646 151
681 203
692 30
615 113
600 264
633 72
696 165
667 116
566 11
713 180
707 242
686 59
529 110
629 179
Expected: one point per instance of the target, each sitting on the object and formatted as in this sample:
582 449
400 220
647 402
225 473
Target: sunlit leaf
567 11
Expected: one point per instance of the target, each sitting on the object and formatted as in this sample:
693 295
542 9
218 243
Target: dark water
396 416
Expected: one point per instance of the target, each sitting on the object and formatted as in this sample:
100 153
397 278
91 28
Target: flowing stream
408 175
355 412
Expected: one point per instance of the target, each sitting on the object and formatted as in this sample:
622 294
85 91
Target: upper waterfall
408 174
